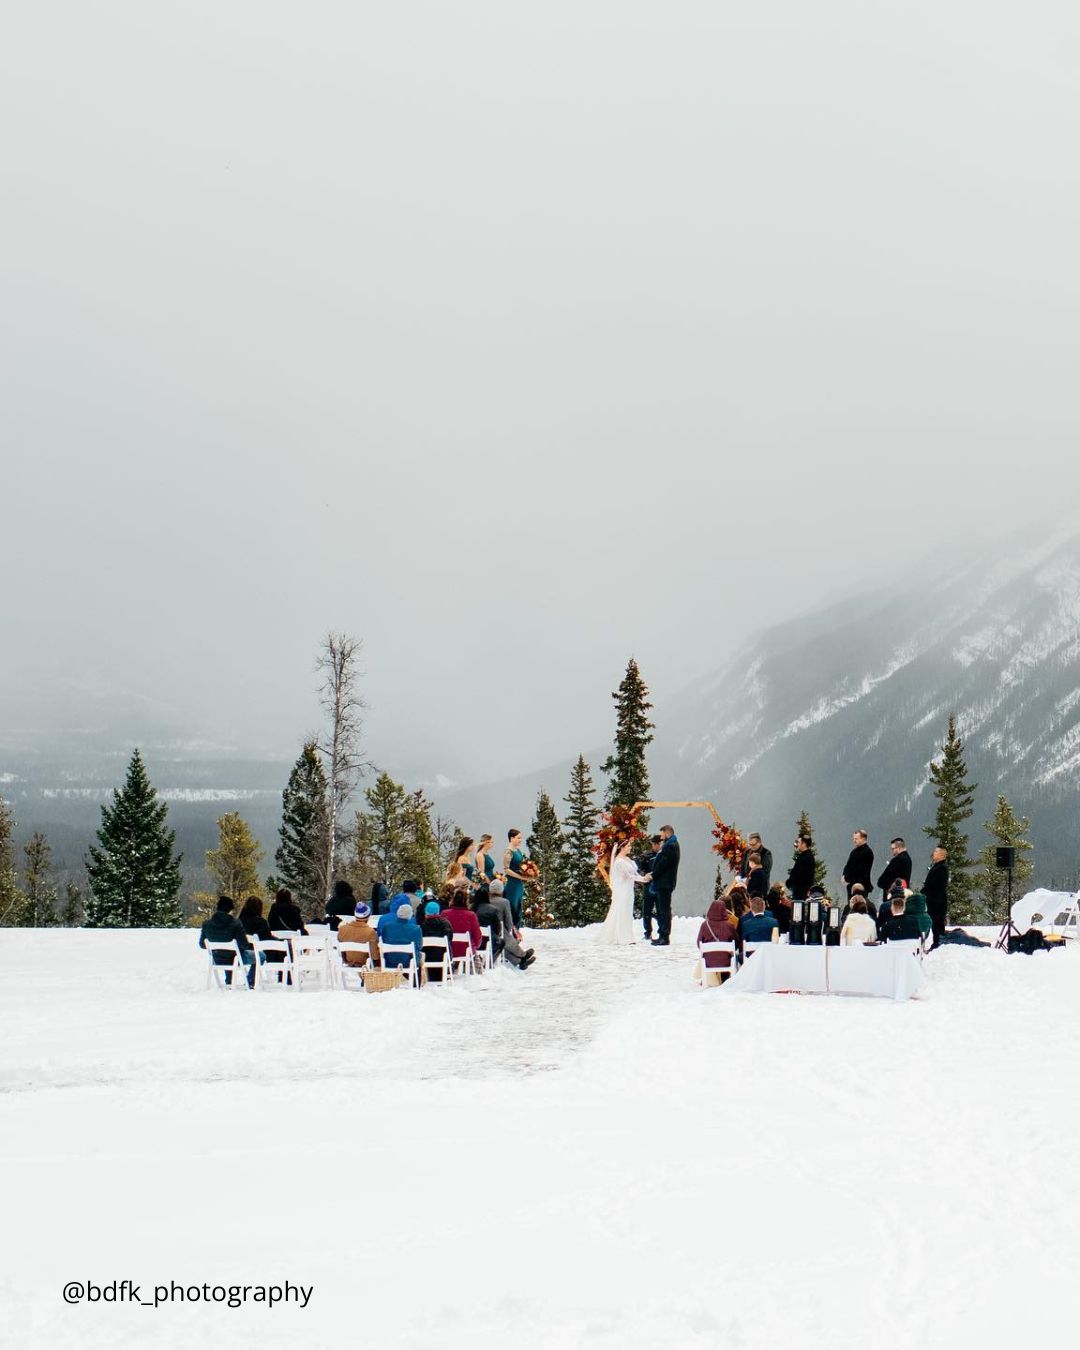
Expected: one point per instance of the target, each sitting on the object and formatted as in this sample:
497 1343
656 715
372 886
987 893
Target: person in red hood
717 926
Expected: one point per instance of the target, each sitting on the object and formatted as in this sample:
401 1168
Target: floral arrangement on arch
730 845
620 826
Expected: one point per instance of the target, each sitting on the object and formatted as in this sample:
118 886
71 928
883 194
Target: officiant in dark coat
801 876
859 868
898 869
665 873
936 890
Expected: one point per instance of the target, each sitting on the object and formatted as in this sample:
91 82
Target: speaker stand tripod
1008 928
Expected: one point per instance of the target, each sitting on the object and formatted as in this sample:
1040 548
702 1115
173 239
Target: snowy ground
591 1154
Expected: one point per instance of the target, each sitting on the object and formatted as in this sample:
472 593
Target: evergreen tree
955 803
628 774
134 872
381 837
421 859
1007 830
583 896
301 855
821 867
233 865
10 895
39 894
73 912
545 845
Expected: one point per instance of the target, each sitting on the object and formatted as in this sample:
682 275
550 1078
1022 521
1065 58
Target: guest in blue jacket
400 930
757 924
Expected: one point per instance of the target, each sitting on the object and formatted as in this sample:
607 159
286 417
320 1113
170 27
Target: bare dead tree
340 699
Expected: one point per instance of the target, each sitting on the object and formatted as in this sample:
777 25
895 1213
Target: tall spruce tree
627 771
39 893
420 857
1007 830
584 897
821 867
381 839
545 844
233 866
71 916
955 804
10 895
301 854
134 871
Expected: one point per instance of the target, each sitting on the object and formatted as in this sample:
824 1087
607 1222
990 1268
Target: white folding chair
487 949
284 934
438 956
230 974
709 948
410 968
749 948
317 929
352 977
272 974
465 959
309 961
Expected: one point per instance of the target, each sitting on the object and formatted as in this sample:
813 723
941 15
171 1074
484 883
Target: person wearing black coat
801 876
859 868
898 869
754 845
224 926
665 874
285 916
936 890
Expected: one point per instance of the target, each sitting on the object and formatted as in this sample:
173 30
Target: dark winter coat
765 854
936 887
718 926
398 933
757 927
901 928
899 869
464 923
222 927
916 906
757 883
801 876
285 917
665 867
859 868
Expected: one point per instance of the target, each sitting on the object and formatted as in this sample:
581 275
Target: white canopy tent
1054 913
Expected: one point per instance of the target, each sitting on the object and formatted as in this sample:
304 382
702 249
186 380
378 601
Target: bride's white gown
619 925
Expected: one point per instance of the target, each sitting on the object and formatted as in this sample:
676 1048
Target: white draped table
890 971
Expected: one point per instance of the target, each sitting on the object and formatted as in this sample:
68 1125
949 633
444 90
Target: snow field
594 1153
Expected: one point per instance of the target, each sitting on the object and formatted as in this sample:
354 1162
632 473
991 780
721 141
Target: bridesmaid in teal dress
463 857
514 890
485 863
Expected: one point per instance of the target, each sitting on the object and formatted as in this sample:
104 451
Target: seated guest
779 906
342 904
896 891
285 916
400 930
489 915
916 905
359 929
858 890
755 877
379 899
899 926
858 927
717 926
461 918
516 952
737 900
434 927
410 890
224 926
251 917
757 925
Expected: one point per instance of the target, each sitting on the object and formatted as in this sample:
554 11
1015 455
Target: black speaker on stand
1005 861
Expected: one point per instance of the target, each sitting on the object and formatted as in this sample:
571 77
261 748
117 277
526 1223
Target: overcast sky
513 338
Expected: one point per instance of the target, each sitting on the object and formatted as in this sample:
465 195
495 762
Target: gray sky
513 338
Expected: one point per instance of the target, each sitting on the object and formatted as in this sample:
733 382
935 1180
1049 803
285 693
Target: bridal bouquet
620 826
730 844
529 870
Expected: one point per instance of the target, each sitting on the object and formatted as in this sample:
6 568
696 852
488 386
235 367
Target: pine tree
73 912
955 804
821 868
39 894
1007 830
233 866
421 860
135 872
381 837
10 895
584 897
628 774
301 855
545 845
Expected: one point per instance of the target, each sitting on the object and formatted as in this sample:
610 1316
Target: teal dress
489 867
514 890
469 870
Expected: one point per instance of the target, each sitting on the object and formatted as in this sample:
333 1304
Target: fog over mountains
838 712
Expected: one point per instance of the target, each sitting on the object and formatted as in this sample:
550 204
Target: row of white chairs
295 960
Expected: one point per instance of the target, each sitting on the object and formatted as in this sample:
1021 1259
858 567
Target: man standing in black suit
801 876
936 890
648 900
859 868
899 869
665 873
754 845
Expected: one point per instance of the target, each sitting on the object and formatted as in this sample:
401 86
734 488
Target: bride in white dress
618 927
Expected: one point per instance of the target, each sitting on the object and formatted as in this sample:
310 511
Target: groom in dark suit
665 873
